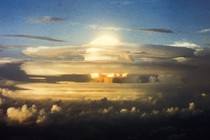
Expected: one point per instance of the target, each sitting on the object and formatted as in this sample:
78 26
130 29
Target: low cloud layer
148 107
171 113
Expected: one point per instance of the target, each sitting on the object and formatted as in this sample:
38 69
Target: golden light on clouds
105 40
107 77
94 75
73 91
103 49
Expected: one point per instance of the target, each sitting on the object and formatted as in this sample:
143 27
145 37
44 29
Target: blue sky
184 18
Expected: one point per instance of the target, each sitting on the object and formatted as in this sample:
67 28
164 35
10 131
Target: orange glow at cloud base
107 77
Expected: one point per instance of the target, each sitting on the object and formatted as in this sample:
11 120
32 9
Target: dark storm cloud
35 37
157 30
46 19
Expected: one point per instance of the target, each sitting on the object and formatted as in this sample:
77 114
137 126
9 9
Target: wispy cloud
123 2
46 19
185 44
112 28
35 37
99 27
158 30
204 30
12 46
129 2
59 53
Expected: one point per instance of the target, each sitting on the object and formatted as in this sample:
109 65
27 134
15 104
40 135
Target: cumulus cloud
191 106
56 108
46 19
6 92
35 37
22 114
42 117
28 115
172 110
124 110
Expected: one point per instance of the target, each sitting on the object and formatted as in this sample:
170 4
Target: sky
108 69
73 21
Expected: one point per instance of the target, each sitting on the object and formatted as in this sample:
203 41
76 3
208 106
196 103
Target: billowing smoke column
107 77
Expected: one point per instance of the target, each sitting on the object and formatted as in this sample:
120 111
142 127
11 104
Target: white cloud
99 27
204 30
185 44
198 50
